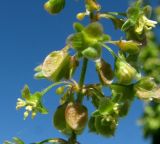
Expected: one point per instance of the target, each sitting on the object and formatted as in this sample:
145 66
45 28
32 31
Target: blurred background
27 35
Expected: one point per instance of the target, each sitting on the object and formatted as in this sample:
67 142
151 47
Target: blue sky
27 35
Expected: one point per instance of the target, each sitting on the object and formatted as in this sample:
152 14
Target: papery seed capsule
54 65
104 71
76 116
59 120
54 6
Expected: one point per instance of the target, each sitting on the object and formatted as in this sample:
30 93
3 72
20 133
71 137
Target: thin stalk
43 92
110 50
82 78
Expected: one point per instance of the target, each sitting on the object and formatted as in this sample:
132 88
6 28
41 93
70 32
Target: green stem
82 78
43 92
110 50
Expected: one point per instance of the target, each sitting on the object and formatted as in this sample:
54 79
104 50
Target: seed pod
146 89
59 120
76 116
55 65
54 6
105 72
128 46
124 71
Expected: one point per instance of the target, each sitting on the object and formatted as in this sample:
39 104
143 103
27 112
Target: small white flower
26 114
29 108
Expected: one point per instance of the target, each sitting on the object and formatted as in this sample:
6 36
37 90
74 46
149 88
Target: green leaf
26 92
17 140
122 93
106 106
91 124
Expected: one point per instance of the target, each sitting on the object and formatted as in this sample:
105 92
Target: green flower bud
54 6
76 41
80 16
60 90
55 65
124 71
104 71
76 116
93 33
106 106
128 46
91 5
59 120
92 53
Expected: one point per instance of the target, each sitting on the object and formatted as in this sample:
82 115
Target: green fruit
76 116
124 71
54 6
105 126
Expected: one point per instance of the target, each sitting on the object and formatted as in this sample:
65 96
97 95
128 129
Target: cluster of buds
32 103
